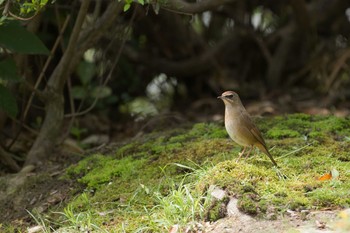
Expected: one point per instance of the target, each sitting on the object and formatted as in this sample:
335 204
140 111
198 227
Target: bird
240 126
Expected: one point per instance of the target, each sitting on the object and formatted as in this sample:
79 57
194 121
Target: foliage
17 39
153 39
8 102
32 6
128 3
21 8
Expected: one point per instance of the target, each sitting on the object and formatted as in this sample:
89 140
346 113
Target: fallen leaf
326 176
332 175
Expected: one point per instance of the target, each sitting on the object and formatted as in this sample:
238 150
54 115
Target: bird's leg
250 150
241 153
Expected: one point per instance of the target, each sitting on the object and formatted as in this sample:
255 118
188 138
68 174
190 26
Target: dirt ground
314 222
38 190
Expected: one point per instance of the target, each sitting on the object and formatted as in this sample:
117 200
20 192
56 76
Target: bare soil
35 191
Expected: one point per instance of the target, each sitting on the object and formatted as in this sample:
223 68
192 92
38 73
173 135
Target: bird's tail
266 151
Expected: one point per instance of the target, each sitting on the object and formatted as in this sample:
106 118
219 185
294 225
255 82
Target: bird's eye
229 96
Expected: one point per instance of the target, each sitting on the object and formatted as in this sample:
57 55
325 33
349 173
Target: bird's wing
247 121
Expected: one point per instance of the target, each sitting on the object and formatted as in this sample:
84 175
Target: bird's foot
280 173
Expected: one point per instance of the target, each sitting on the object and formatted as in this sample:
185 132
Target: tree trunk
79 42
54 109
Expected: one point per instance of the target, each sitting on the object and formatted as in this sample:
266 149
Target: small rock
320 225
271 216
96 139
36 229
217 192
72 146
233 211
292 213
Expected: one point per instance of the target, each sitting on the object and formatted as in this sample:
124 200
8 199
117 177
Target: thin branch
338 65
48 60
109 76
191 66
62 70
89 36
7 11
21 18
181 6
54 114
6 159
34 90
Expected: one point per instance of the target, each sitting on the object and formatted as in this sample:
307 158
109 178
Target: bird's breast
234 130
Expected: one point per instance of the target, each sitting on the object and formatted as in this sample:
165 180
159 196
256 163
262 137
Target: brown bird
240 126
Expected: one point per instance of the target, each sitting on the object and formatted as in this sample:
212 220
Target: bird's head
230 97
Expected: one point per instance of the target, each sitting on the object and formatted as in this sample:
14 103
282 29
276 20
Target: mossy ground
123 190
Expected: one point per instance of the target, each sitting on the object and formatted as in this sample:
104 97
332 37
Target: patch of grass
142 188
301 190
180 206
70 219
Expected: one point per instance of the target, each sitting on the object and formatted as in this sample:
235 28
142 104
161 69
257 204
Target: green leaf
127 6
17 39
101 92
79 92
86 71
142 2
8 102
8 70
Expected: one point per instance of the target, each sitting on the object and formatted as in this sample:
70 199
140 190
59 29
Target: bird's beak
220 97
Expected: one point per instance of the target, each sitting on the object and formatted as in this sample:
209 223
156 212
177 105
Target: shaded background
139 66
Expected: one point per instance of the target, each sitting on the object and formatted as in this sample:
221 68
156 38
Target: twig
339 63
6 159
294 151
41 76
184 7
7 11
48 60
109 76
21 18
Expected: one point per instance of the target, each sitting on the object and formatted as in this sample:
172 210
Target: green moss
217 210
282 133
126 150
297 125
207 131
98 169
247 204
8 228
305 147
337 125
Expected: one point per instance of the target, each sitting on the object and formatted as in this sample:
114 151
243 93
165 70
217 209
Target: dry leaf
332 175
326 176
